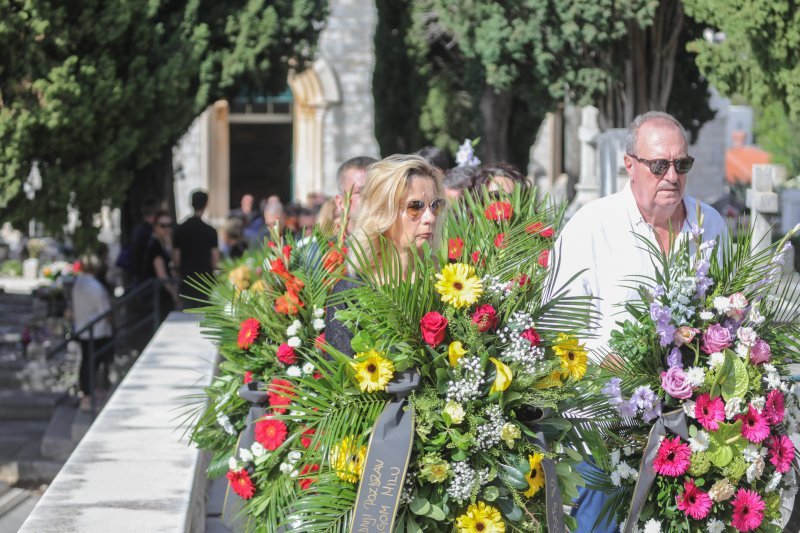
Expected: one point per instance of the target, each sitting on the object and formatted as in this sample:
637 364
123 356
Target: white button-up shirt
601 241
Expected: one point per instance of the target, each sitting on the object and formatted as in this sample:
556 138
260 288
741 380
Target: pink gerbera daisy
709 412
773 409
748 510
754 426
781 452
694 502
673 458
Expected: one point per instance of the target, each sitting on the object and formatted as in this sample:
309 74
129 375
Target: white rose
319 324
454 411
319 312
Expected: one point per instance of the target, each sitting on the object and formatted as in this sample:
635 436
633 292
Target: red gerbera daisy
781 452
248 377
694 502
280 394
286 354
270 433
773 409
709 412
248 333
499 211
305 479
748 510
241 483
754 426
673 458
455 247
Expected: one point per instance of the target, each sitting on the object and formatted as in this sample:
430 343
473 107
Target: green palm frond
327 507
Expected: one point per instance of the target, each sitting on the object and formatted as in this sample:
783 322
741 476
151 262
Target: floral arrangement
701 392
265 313
57 269
496 367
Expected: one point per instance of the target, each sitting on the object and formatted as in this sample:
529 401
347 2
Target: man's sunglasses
416 208
659 167
165 225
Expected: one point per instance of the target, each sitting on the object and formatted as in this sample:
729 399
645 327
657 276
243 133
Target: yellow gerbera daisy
348 460
572 354
374 372
536 476
480 518
458 285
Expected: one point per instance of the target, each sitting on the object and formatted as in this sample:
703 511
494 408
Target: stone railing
134 470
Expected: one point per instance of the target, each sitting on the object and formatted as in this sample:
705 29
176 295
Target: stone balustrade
135 469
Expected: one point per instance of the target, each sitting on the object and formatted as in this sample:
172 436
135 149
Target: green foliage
96 91
760 56
777 134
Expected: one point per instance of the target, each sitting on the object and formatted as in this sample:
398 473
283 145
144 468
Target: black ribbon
255 393
388 454
554 505
675 422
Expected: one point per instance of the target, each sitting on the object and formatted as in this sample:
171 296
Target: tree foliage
759 57
494 68
94 92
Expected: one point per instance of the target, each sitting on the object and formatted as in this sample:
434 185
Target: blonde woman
402 201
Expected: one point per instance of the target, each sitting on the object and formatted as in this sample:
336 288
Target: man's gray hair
361 162
659 117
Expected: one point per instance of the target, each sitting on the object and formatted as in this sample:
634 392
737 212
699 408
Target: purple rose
716 338
674 383
760 352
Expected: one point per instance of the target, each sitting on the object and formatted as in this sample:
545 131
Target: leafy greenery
777 133
97 93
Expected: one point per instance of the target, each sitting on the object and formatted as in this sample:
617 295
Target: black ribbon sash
388 454
554 505
675 422
233 506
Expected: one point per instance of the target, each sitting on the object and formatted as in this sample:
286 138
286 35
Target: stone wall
707 178
347 45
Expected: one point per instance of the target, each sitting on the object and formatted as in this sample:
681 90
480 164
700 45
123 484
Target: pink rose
434 327
485 317
674 383
531 336
685 335
716 338
760 352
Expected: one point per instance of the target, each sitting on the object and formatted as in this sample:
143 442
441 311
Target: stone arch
314 90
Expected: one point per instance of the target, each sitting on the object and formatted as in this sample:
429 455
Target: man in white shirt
90 300
600 241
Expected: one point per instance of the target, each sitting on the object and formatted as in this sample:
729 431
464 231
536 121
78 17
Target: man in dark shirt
196 249
140 236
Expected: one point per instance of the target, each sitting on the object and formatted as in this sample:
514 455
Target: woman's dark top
154 249
336 334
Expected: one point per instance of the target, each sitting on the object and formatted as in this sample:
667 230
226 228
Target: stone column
219 163
588 186
762 200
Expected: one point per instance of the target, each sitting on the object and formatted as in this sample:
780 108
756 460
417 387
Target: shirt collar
636 218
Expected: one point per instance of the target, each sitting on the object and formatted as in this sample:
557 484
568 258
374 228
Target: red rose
544 258
434 328
248 333
531 336
548 233
286 354
485 317
499 211
248 377
454 248
280 395
305 480
498 240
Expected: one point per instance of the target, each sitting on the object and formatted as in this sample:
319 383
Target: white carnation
706 315
722 304
232 465
695 376
245 455
294 342
689 408
294 371
319 312
615 457
308 368
733 407
758 403
716 359
652 526
715 526
774 481
616 478
258 449
319 324
627 472
699 443
755 470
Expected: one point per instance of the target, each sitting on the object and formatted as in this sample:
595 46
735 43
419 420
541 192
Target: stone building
291 144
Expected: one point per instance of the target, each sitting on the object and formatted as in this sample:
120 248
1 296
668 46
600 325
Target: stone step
11 499
13 520
28 405
58 441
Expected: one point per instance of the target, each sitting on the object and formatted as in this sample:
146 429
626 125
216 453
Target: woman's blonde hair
387 183
326 218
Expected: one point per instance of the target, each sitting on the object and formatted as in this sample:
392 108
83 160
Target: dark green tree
97 92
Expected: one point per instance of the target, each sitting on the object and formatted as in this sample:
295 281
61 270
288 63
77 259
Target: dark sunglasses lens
659 166
437 206
413 209
682 166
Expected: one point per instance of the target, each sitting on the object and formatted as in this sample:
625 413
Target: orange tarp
739 163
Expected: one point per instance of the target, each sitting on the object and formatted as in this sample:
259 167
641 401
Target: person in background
499 177
195 250
306 218
457 180
327 221
158 263
235 245
245 211
140 236
274 216
436 157
90 300
291 218
350 178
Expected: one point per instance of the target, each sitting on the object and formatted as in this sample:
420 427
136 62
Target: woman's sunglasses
659 167
416 208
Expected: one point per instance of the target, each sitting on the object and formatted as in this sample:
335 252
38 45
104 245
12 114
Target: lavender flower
674 359
661 315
